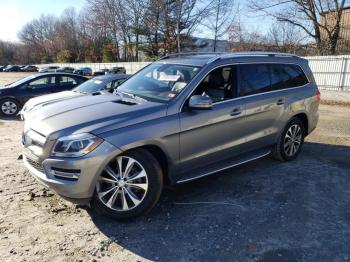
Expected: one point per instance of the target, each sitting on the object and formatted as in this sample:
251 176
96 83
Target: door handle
236 112
280 101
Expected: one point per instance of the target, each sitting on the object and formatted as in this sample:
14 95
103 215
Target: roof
201 59
57 73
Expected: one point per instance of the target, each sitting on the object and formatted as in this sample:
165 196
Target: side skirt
232 164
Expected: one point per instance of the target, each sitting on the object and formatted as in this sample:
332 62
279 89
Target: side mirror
200 102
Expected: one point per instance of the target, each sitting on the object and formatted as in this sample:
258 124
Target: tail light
318 96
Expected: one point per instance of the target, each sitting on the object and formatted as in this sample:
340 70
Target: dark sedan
83 71
29 68
13 96
12 68
107 84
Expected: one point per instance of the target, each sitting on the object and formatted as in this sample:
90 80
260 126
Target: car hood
45 100
4 88
93 114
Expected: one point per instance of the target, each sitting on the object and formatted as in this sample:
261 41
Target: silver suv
183 117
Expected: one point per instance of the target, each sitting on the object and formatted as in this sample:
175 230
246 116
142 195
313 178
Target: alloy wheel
123 184
292 140
9 108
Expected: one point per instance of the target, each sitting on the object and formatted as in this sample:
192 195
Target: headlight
75 145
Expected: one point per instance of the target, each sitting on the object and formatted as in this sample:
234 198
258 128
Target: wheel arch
160 155
304 119
12 98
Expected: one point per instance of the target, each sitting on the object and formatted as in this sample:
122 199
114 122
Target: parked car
13 96
48 69
117 70
2 68
107 83
101 72
65 69
12 68
29 68
84 71
181 118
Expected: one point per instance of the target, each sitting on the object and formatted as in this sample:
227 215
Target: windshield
91 86
159 82
19 82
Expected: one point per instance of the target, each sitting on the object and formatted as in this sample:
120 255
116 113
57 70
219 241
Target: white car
48 69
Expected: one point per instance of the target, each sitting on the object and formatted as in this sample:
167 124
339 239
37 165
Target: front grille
35 164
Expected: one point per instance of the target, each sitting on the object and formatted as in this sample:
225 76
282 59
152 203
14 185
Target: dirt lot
262 211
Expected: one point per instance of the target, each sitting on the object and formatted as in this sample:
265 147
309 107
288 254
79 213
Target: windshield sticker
97 82
169 78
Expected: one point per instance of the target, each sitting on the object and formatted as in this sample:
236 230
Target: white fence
331 72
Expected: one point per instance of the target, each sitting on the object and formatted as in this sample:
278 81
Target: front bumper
72 178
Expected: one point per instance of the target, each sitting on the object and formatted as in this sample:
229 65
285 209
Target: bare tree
310 16
285 37
187 15
40 33
222 16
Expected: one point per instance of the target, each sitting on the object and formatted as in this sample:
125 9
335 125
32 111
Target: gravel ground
262 211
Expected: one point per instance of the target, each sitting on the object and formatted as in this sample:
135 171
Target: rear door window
67 81
253 79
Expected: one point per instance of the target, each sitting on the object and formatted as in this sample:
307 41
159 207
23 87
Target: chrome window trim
240 97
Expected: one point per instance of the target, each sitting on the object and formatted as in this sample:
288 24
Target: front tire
290 142
129 186
9 107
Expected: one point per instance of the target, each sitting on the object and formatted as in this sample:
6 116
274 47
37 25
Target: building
328 19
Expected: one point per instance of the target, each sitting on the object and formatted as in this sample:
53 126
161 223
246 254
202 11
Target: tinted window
219 84
292 75
277 81
253 79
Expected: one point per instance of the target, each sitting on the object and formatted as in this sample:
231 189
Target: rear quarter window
291 75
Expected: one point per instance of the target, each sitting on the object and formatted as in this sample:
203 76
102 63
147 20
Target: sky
16 13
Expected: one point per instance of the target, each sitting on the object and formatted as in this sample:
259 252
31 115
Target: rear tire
138 181
290 141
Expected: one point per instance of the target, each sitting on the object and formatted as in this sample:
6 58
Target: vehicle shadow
264 210
10 118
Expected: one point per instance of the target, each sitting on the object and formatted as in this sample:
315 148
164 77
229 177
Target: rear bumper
72 178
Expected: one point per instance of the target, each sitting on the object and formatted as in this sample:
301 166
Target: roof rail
260 54
190 54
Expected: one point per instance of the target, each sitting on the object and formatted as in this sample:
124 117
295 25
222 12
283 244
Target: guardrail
331 72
